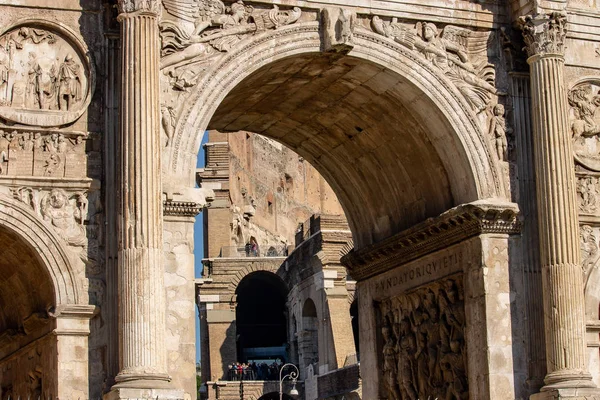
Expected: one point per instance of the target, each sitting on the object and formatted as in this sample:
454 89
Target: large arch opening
375 137
390 132
261 327
26 296
394 138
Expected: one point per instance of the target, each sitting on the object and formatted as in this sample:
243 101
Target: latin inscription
410 276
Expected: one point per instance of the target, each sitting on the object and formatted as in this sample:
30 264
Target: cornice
451 227
181 208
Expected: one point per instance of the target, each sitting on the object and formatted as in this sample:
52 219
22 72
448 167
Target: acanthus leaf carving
132 6
217 29
454 51
584 119
544 33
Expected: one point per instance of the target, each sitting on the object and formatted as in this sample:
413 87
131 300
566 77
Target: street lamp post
292 376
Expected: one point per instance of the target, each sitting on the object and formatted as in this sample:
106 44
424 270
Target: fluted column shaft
558 219
141 275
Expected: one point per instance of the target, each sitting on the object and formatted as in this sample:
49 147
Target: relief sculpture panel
584 120
25 152
461 54
424 352
195 32
44 78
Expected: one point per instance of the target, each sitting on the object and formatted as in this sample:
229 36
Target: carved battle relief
44 80
205 29
424 352
461 54
584 119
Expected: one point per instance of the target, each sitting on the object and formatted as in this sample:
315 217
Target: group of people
255 372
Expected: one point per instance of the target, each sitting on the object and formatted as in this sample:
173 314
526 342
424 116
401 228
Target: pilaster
140 222
564 317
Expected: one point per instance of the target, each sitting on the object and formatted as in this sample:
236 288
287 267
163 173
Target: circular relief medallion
584 120
44 77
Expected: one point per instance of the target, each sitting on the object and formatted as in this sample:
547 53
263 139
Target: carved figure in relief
33 94
38 141
67 219
585 104
168 122
584 100
69 90
52 164
26 141
406 369
5 94
389 362
449 51
587 194
498 132
428 332
216 29
3 159
589 249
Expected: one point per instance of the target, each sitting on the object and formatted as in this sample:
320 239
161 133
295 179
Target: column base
570 393
123 393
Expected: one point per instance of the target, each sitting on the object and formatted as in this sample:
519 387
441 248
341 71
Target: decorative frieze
423 343
25 152
451 227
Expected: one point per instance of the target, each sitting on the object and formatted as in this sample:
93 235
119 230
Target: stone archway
391 133
23 222
44 321
444 154
260 319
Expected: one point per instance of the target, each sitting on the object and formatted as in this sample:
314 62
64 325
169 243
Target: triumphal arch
461 138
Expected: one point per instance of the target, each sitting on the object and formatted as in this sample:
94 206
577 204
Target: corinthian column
140 225
564 320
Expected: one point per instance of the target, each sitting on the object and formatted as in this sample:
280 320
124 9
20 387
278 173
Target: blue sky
199 246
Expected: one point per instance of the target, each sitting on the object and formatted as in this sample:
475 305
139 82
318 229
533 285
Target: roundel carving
46 78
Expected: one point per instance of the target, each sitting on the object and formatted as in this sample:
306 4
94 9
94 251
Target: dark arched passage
260 317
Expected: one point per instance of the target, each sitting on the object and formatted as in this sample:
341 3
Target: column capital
138 6
544 34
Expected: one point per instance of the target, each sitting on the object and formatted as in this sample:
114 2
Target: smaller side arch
233 285
23 221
